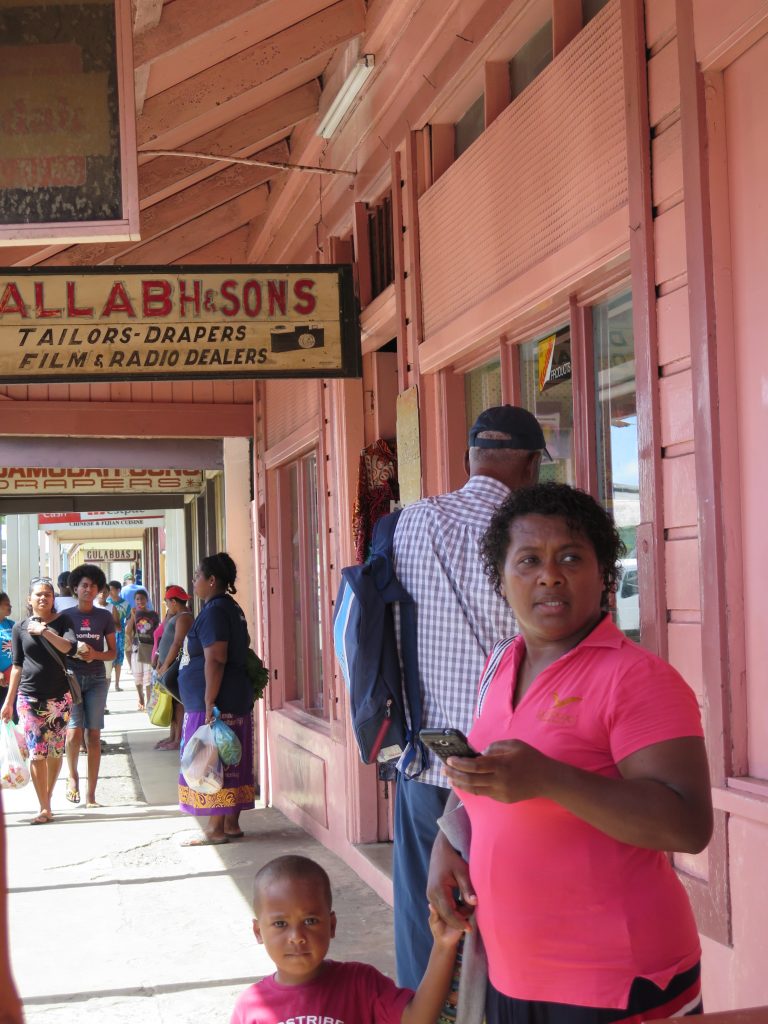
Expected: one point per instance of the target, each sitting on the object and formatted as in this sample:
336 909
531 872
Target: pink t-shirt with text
349 993
568 914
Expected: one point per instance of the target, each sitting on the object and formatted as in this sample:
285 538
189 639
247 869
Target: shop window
589 8
530 60
381 248
547 391
617 454
469 127
482 389
304 660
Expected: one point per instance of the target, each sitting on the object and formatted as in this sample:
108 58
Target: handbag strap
57 655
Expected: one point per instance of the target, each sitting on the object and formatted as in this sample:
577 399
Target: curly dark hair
580 511
222 567
87 571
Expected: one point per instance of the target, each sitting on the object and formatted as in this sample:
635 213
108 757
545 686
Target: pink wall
746 116
732 45
551 165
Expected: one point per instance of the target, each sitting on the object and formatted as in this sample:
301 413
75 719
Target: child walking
294 921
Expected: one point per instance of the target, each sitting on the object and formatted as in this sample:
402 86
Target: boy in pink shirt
295 922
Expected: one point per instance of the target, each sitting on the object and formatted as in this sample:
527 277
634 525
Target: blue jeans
90 714
418 805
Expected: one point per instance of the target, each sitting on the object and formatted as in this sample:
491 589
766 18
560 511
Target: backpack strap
383 543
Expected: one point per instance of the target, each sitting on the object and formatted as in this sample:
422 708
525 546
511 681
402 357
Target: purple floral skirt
238 792
45 725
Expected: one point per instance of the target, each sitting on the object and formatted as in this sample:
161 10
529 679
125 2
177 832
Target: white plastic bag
14 772
200 763
21 739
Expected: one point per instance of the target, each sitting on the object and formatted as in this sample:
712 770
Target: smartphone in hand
447 743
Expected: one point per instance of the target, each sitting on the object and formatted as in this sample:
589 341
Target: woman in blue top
212 674
6 649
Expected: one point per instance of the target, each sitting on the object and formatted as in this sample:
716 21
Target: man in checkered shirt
459 619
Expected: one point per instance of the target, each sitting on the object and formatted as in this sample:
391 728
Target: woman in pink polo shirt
593 765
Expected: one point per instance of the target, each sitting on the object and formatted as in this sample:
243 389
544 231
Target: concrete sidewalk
112 921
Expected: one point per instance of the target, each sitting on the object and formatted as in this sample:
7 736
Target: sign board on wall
28 480
99 520
554 359
106 554
120 324
408 446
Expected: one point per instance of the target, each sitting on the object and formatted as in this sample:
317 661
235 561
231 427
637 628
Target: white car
628 598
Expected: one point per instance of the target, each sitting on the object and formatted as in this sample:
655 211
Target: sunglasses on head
41 579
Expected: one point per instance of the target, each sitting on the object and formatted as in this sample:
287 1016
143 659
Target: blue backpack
366 649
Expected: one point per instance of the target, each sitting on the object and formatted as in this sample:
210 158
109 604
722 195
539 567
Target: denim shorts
90 714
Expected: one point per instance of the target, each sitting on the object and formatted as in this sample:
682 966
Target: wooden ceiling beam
230 248
306 148
193 37
298 223
243 136
158 183
200 231
215 118
163 217
206 195
146 14
214 96
179 418
249 130
18 255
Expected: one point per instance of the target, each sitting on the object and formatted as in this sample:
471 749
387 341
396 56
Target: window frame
465 128
296 692
277 459
577 315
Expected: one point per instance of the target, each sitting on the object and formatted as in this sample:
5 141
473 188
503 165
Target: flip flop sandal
43 818
204 841
93 804
73 794
234 835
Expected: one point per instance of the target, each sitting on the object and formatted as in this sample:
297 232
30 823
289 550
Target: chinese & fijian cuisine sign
120 324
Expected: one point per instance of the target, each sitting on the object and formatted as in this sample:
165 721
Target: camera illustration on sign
285 338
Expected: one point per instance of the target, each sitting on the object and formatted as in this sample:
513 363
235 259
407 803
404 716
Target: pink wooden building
556 203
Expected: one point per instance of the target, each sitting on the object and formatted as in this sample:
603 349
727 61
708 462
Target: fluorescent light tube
346 96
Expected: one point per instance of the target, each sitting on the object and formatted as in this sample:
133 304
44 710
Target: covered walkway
111 920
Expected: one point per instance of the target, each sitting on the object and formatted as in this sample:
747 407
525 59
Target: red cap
177 592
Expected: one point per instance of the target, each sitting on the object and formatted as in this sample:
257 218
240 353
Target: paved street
113 921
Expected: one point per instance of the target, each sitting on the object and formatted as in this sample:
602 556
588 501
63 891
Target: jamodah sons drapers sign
120 324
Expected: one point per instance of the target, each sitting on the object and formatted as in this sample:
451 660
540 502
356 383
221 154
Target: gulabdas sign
121 324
